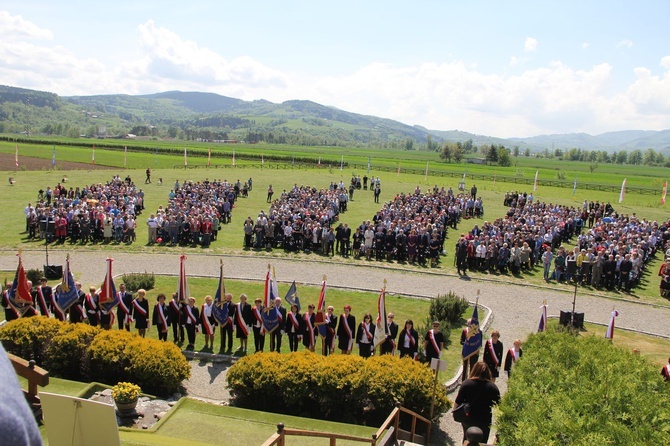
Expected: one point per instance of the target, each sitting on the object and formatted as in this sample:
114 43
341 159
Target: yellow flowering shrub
28 337
336 387
159 367
67 353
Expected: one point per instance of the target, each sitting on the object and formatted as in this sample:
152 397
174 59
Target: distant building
475 160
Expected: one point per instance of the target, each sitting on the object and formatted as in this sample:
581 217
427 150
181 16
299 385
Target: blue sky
515 68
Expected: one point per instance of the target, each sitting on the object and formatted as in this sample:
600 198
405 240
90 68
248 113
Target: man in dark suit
389 345
610 272
43 297
227 329
346 239
331 324
176 318
243 320
275 336
77 312
125 308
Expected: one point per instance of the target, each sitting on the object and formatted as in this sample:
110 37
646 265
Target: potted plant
125 396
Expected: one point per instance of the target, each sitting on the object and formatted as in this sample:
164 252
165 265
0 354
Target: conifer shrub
574 390
448 308
136 281
336 387
34 275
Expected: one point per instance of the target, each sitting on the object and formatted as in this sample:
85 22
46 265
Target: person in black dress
481 393
346 331
191 321
408 342
365 336
141 312
161 317
493 354
388 346
310 331
293 328
124 312
434 342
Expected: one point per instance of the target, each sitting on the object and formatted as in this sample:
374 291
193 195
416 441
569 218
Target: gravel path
516 308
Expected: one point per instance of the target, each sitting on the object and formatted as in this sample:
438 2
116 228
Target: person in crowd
433 342
141 312
493 354
208 322
512 356
293 328
310 331
191 317
481 393
243 317
408 341
161 317
388 347
346 331
365 336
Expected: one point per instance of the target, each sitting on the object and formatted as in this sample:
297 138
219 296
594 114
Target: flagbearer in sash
365 336
77 312
276 335
409 340
331 324
434 342
58 312
389 345
91 306
513 355
243 318
346 331
43 297
493 352
28 309
227 327
11 312
259 329
161 317
141 312
124 312
293 328
665 371
208 323
176 310
191 322
309 328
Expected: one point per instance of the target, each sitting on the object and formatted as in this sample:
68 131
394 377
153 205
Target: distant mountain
198 115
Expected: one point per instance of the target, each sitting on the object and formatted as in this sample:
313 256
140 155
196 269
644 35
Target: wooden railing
36 376
391 425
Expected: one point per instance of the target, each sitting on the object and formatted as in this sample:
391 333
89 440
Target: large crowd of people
93 213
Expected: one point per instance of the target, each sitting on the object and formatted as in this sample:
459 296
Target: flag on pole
398 173
271 292
494 180
53 156
262 160
185 158
233 157
108 297
155 157
537 172
319 161
341 162
543 319
382 330
293 160
16 156
473 338
68 294
183 292
93 155
368 164
463 179
622 194
209 156
321 306
125 155
665 192
220 310
19 293
292 296
574 186
320 315
609 334
426 175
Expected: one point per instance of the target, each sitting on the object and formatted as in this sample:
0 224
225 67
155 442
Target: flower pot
126 407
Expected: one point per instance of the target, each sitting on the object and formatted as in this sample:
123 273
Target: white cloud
625 43
530 45
513 61
585 45
15 27
665 62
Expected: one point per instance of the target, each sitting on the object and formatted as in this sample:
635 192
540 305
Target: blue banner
68 295
292 296
473 341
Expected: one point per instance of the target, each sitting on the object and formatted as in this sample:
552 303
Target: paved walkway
516 308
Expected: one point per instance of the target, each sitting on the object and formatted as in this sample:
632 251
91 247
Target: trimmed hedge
571 390
84 353
336 387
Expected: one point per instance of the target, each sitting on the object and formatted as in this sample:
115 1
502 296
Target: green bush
336 387
573 390
448 308
136 281
85 353
29 337
34 275
67 353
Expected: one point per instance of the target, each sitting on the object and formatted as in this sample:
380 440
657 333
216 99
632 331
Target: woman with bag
475 398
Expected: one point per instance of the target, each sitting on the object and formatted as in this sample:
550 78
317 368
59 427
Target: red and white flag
271 290
209 156
665 192
609 334
262 160
425 177
398 169
382 329
107 290
19 293
543 319
537 173
622 194
183 292
125 155
93 155
321 307
233 157
16 156
185 158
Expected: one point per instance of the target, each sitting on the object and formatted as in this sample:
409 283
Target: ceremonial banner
271 292
269 315
93 155
185 158
209 156
183 292
220 309
19 295
609 334
543 319
574 186
537 172
108 298
665 192
16 156
292 296
68 294
53 156
382 329
622 194
320 313
473 341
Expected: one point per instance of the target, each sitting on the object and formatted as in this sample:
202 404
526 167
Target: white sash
310 329
161 316
91 304
294 322
345 322
410 339
496 361
43 302
241 323
366 332
60 314
257 315
431 336
139 308
207 325
191 317
513 354
128 318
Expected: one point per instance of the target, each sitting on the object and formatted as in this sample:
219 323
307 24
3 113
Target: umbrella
608 220
92 201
